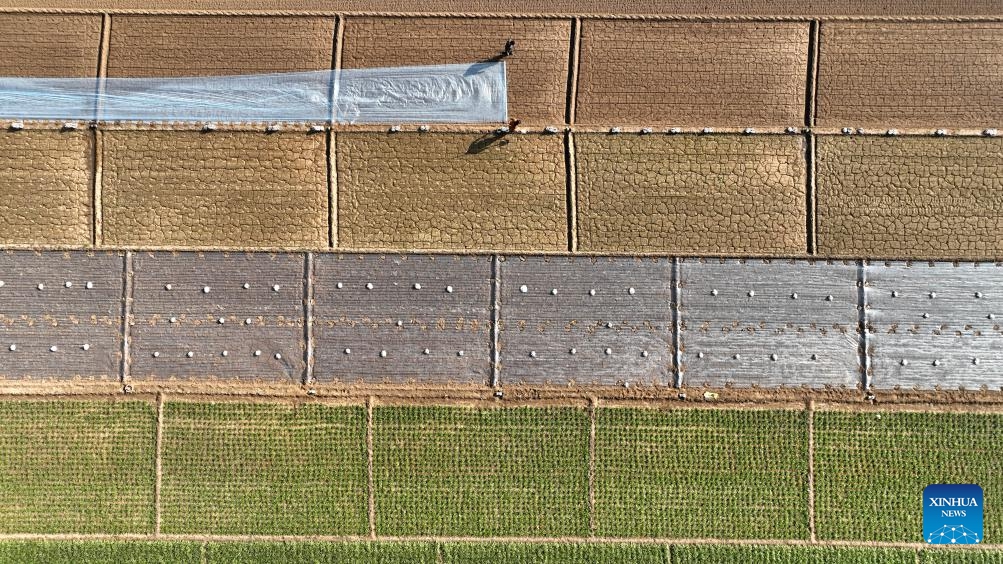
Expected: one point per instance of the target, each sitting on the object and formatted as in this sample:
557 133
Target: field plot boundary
461 551
513 396
764 10
587 502
533 398
483 540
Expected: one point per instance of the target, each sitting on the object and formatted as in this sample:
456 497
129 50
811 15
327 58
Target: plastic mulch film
466 93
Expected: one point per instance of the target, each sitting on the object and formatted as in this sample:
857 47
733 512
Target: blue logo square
952 514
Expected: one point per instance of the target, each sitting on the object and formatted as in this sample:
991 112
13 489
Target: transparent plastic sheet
467 93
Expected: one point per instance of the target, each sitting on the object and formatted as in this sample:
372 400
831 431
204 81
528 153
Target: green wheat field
238 481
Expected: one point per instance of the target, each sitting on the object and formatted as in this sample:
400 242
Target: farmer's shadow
497 137
485 141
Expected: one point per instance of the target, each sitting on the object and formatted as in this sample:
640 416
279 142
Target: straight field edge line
811 200
574 59
657 129
810 415
485 540
507 252
811 82
527 13
571 166
593 406
496 282
370 480
569 142
337 45
308 302
676 320
104 45
490 400
864 340
625 129
97 159
128 290
331 158
158 466
97 173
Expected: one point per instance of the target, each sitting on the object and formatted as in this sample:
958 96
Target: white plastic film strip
466 93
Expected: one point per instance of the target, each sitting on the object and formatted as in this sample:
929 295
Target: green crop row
274 468
143 552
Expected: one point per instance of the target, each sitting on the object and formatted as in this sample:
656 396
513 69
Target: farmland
77 467
701 473
449 471
265 480
697 282
871 469
427 552
717 554
244 468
